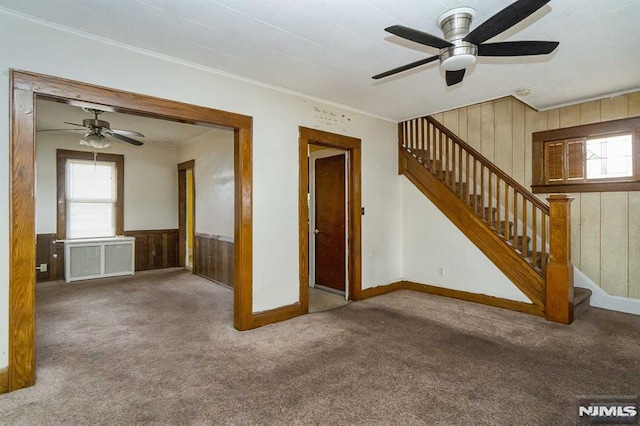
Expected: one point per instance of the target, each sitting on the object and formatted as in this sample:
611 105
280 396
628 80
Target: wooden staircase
527 239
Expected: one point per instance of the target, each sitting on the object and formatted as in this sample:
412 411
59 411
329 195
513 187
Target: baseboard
497 302
291 311
273 316
4 380
377 291
455 294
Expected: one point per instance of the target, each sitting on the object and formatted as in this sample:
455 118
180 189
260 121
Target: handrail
488 164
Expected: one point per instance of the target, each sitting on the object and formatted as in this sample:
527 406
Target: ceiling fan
459 48
98 130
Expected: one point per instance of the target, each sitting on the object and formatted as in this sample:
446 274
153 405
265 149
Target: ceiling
52 115
330 48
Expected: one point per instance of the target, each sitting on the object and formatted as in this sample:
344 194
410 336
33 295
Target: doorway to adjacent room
330 219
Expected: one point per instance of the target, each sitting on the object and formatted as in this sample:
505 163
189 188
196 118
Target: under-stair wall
605 237
438 253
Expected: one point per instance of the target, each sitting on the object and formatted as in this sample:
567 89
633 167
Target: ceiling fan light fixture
458 62
94 140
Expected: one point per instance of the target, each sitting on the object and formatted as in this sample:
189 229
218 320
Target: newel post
559 293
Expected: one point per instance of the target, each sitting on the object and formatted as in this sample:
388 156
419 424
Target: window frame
62 155
540 185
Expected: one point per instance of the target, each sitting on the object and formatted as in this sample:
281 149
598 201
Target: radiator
89 258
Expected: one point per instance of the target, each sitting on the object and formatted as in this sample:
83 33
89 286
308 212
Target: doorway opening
329 219
26 89
186 213
328 230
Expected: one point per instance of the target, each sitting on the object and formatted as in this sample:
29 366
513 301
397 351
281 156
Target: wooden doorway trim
182 211
26 87
354 206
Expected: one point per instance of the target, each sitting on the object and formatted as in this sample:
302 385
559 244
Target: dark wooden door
330 249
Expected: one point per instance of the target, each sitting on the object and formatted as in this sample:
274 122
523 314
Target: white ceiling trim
581 101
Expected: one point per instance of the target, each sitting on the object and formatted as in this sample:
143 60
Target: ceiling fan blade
418 36
503 20
517 48
73 124
454 77
406 67
128 132
123 138
61 130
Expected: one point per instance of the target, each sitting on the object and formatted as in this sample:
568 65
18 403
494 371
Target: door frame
25 88
354 206
182 211
316 155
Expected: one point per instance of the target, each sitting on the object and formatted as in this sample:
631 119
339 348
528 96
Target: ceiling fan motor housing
94 122
455 25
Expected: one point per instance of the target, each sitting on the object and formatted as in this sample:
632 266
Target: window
90 194
596 157
91 199
609 157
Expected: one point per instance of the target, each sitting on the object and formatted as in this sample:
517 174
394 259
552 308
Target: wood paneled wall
52 254
605 230
214 258
155 249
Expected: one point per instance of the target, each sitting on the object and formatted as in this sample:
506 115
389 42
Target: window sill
586 187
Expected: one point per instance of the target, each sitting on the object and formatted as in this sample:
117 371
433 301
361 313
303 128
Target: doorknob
315 231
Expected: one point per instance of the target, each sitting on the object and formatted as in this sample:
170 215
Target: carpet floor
159 348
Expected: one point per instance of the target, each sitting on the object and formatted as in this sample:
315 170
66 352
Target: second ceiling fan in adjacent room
99 132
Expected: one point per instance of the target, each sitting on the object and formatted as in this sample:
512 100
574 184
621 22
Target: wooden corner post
559 288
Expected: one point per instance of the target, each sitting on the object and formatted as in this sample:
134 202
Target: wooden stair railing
512 215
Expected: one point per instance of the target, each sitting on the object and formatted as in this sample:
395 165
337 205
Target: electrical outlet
441 271
42 267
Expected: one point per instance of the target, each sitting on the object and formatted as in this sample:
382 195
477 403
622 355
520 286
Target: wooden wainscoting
51 253
156 248
214 258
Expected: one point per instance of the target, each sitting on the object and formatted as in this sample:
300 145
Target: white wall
213 155
33 46
431 241
150 182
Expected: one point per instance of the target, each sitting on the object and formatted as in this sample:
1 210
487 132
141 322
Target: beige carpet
159 349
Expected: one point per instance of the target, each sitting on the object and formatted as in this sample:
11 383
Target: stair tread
538 256
581 301
580 295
